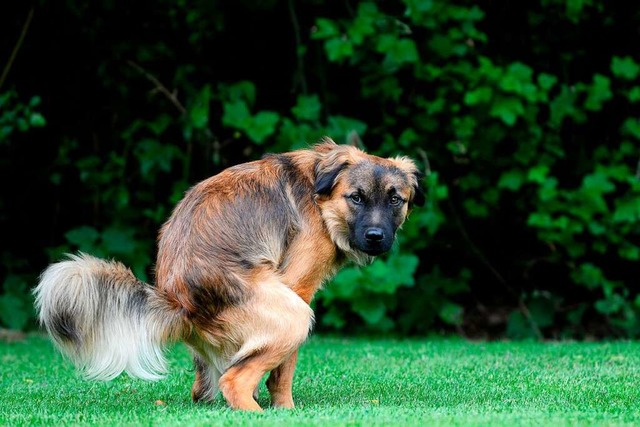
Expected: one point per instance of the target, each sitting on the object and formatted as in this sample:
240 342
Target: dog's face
364 199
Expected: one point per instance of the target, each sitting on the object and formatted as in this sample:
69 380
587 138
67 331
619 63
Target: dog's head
364 199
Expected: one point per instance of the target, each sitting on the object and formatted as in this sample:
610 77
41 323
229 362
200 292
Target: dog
239 261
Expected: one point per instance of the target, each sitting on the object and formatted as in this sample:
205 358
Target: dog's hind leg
205 386
280 383
274 323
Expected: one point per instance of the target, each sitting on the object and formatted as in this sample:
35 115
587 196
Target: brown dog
238 263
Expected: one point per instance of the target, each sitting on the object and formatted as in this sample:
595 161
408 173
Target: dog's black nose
374 234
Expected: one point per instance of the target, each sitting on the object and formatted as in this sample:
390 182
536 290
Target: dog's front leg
280 383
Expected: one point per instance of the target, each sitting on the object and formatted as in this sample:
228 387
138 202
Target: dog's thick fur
239 261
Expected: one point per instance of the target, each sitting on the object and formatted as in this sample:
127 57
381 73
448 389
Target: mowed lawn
352 381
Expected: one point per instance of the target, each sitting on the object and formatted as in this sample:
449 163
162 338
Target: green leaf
546 81
538 173
512 179
610 305
363 24
541 311
634 94
625 68
160 124
82 237
236 114
480 95
451 313
37 120
598 93
262 125
631 126
119 240
588 275
324 29
507 109
199 112
574 9
371 310
563 106
403 51
597 183
307 108
338 49
340 127
14 311
345 284
627 210
240 91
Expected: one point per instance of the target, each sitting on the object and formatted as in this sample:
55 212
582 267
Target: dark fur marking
294 179
216 291
203 381
325 180
63 326
137 303
247 358
246 264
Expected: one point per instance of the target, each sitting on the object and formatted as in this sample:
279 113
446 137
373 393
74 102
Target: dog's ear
418 191
415 179
333 159
326 179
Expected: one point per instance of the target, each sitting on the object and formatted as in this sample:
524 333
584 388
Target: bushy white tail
103 318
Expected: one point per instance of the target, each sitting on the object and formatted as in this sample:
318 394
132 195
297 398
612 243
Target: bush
526 125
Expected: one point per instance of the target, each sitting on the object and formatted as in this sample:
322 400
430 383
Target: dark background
524 116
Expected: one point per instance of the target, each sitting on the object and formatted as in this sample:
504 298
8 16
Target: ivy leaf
160 124
119 240
371 310
343 126
588 275
598 93
236 114
625 68
511 179
480 95
338 49
324 29
82 237
546 81
627 210
37 120
240 91
538 173
597 183
199 112
451 313
14 311
262 125
307 108
507 109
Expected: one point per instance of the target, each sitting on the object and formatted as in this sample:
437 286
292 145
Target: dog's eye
395 201
356 198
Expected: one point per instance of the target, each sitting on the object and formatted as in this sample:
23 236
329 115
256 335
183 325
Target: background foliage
524 117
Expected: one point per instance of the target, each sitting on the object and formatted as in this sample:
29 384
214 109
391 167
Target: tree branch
299 46
171 96
16 48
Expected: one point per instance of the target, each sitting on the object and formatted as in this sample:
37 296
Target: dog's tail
104 319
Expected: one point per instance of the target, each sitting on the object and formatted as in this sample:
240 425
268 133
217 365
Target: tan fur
240 260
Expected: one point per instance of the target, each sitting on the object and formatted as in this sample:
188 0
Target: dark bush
524 117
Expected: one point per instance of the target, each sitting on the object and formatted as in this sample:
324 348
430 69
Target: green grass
351 381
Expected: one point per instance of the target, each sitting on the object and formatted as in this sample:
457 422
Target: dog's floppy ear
325 179
333 159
